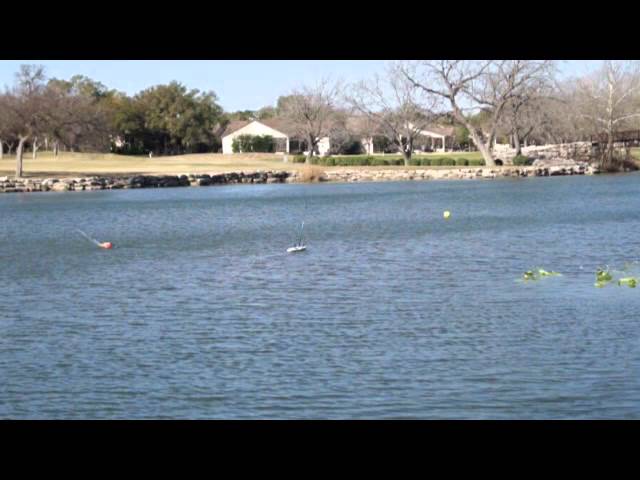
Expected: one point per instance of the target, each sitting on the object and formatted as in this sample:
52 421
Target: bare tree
34 147
5 131
33 110
395 107
344 137
450 80
556 117
472 85
77 121
509 81
529 113
5 128
311 112
26 109
608 99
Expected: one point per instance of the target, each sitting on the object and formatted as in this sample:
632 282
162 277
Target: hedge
356 160
387 160
522 160
253 143
476 162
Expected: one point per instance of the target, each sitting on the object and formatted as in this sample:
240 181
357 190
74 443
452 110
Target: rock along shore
114 182
465 173
75 184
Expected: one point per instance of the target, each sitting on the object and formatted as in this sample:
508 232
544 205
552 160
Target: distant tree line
81 114
512 101
519 102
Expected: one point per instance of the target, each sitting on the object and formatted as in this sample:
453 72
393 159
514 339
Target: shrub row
522 160
368 160
253 143
358 160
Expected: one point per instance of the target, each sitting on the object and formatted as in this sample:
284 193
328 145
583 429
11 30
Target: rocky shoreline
470 173
75 184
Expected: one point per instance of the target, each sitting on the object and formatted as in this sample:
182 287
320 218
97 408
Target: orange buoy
106 245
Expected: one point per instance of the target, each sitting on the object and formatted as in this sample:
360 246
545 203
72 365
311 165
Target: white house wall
254 128
323 146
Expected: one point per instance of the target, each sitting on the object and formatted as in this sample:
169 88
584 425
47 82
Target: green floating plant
539 273
603 276
629 281
544 273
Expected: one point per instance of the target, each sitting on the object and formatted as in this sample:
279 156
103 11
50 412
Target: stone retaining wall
469 173
568 151
12 185
539 169
579 151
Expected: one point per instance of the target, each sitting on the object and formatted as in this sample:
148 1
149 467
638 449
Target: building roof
234 126
355 124
365 125
441 130
279 124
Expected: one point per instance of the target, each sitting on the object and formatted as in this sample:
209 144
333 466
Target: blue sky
239 84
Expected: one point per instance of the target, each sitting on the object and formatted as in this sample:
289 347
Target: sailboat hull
296 249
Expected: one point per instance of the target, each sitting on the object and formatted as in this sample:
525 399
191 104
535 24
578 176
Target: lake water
392 312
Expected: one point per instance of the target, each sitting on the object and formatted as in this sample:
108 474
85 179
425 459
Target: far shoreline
76 183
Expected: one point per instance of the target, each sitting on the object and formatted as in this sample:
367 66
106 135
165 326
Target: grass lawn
86 164
104 164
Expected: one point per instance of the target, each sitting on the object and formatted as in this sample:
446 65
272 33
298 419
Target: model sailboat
299 246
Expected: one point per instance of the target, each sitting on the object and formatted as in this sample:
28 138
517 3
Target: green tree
82 86
83 112
253 143
169 119
242 115
461 136
266 112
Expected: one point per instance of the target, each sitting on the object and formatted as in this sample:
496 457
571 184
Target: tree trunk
312 147
608 159
475 135
19 151
1 149
404 149
406 155
55 149
482 147
34 147
516 142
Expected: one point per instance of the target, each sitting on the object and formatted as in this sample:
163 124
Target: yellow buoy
446 214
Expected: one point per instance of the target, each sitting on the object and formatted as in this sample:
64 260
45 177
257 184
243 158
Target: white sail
299 246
